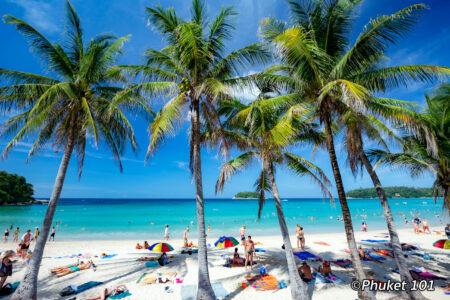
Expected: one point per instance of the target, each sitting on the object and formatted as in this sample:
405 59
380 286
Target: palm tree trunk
359 272
205 291
298 287
395 241
28 286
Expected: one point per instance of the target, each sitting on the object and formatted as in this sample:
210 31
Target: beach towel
322 243
305 255
425 256
317 278
375 241
419 275
260 250
86 286
266 283
10 291
385 252
189 292
147 278
108 256
343 263
375 256
120 296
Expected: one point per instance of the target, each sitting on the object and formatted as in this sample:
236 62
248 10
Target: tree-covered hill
246 195
392 192
14 189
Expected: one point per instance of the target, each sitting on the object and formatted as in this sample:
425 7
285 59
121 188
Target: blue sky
166 174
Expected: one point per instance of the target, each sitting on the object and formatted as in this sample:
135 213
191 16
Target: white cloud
182 165
39 14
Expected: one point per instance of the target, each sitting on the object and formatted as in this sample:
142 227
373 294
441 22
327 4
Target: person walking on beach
186 236
301 237
16 235
6 266
297 235
249 250
166 233
6 235
242 230
425 226
52 235
25 243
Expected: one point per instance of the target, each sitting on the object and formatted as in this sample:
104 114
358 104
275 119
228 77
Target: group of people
425 226
17 230
249 248
305 271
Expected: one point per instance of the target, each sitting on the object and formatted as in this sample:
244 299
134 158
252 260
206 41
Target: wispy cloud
182 165
39 13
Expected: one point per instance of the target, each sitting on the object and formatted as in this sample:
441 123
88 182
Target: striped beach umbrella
444 244
226 242
160 247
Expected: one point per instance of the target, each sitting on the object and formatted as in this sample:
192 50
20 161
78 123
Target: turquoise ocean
140 219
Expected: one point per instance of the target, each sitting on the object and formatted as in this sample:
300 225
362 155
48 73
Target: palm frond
233 166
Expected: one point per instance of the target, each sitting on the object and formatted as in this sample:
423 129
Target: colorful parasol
160 247
226 242
444 244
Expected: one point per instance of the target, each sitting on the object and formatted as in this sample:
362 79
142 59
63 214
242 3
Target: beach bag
68 290
6 289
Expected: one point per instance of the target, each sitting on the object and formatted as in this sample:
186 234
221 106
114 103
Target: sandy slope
125 269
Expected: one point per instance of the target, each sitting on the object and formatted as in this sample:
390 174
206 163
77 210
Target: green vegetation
244 195
392 192
14 189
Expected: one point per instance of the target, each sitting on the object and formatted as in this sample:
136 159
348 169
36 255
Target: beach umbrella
226 242
444 244
160 247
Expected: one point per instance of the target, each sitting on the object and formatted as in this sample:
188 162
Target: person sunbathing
105 293
146 245
146 258
325 269
138 246
80 267
363 255
305 272
63 268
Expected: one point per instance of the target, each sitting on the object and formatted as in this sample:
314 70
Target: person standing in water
16 235
249 250
242 230
166 233
52 235
186 236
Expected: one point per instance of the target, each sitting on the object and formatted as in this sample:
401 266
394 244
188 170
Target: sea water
141 219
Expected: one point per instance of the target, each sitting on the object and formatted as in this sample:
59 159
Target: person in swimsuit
209 229
185 237
297 234
242 230
25 243
80 267
16 235
301 237
166 233
146 245
305 272
105 293
325 269
236 258
249 250
52 236
6 235
64 268
36 233
425 226
138 246
6 266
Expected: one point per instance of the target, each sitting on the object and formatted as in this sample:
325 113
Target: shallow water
111 219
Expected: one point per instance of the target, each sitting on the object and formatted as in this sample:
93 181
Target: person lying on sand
64 268
325 269
363 255
80 267
446 288
138 246
104 293
305 272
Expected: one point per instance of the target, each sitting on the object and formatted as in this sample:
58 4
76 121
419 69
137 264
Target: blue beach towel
260 250
189 292
14 287
87 285
120 296
376 256
375 241
109 256
306 255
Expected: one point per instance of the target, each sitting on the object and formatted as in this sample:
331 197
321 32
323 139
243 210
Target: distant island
392 192
15 190
246 195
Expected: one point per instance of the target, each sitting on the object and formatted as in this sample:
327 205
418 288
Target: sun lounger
305 255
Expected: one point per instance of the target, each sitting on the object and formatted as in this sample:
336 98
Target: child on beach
6 267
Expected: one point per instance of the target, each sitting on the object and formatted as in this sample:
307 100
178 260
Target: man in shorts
249 250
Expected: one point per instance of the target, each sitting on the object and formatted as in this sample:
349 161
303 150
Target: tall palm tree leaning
318 65
77 103
416 155
192 70
264 129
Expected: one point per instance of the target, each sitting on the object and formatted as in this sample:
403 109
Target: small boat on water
284 200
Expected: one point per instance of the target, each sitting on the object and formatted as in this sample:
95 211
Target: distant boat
285 200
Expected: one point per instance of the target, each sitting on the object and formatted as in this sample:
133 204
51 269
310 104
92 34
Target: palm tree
416 155
78 102
318 65
357 124
192 71
264 129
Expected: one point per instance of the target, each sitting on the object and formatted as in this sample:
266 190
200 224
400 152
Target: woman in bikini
74 269
104 293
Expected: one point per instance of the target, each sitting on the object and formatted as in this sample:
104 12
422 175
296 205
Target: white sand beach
124 268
